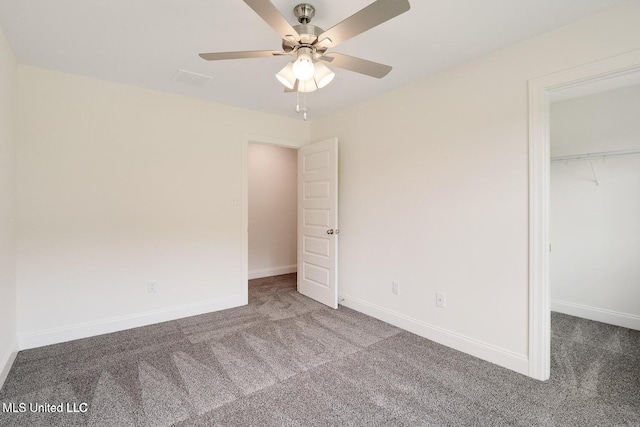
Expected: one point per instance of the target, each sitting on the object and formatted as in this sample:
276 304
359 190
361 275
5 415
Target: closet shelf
592 156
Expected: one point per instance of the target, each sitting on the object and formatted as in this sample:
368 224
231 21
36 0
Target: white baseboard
275 271
6 361
115 324
625 320
489 352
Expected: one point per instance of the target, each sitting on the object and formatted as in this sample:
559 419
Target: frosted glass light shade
303 67
307 86
323 75
286 77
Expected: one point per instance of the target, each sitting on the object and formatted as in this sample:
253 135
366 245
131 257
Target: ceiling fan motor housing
308 35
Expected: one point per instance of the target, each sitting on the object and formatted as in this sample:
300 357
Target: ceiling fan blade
375 14
272 16
216 56
358 65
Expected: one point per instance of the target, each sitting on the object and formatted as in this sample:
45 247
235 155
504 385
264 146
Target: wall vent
190 79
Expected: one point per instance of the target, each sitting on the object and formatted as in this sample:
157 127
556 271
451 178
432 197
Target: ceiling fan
309 44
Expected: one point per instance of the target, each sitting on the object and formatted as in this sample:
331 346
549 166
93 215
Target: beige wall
8 105
273 187
595 230
434 190
118 186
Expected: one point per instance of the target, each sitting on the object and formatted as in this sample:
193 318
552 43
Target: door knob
330 231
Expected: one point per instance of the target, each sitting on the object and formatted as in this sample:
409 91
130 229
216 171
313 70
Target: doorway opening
316 215
541 92
272 210
594 218
594 203
248 139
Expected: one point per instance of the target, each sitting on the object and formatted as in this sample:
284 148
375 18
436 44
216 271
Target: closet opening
594 229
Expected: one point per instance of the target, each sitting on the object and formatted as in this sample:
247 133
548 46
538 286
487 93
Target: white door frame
246 139
539 169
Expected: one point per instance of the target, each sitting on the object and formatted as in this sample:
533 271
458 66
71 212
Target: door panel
318 214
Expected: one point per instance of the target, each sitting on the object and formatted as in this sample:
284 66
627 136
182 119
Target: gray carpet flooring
285 360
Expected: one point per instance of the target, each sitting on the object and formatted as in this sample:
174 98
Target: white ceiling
144 42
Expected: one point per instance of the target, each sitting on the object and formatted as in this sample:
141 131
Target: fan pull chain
304 106
304 115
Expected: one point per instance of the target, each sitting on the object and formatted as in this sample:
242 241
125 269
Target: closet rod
591 156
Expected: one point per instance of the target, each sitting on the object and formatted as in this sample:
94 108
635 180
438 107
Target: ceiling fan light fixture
323 75
307 86
303 67
286 76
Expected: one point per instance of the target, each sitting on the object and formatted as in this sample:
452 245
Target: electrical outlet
152 287
441 300
395 288
235 201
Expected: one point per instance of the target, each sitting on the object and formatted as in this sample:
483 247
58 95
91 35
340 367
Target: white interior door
318 221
